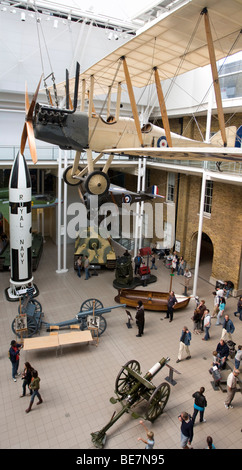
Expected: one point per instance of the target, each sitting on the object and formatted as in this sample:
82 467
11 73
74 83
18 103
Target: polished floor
77 385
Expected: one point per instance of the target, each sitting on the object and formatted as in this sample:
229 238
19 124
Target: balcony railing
51 154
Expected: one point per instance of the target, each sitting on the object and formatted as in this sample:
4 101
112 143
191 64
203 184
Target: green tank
99 250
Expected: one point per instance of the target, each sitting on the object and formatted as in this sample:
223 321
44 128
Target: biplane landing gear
157 402
68 177
97 183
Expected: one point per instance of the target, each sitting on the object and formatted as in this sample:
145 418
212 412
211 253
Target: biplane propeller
159 46
28 130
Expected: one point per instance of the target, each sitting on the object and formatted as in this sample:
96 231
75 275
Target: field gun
90 307
131 388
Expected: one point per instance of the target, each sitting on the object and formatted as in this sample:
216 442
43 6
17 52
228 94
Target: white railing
51 154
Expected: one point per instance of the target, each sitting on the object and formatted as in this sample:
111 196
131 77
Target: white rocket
20 219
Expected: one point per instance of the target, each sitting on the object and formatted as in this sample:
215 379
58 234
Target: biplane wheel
31 325
157 402
68 178
125 381
88 305
97 183
36 303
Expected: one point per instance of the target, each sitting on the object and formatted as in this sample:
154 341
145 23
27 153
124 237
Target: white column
59 213
61 229
199 235
64 228
143 173
137 210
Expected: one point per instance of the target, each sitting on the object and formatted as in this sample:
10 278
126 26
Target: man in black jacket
140 318
222 353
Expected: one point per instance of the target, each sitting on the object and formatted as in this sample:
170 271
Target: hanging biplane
178 41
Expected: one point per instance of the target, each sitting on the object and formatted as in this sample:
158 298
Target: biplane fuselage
123 134
78 132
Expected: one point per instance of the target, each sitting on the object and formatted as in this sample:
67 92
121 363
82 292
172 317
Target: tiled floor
76 387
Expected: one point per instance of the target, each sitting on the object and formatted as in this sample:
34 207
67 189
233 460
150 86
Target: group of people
187 424
83 264
202 318
178 264
188 421
29 376
139 260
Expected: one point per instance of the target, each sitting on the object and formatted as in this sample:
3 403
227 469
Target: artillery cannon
131 388
34 313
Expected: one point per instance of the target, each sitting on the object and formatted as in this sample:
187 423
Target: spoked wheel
102 325
88 305
124 380
31 325
97 183
157 402
68 177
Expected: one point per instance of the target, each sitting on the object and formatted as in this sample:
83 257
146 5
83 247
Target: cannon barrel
97 311
99 437
82 315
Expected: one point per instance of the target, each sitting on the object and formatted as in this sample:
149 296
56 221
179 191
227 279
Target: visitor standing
86 267
140 318
186 430
172 301
185 340
200 404
14 354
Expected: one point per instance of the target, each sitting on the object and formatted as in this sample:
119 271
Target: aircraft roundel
162 142
127 198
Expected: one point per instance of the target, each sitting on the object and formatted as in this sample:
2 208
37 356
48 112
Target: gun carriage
131 389
33 310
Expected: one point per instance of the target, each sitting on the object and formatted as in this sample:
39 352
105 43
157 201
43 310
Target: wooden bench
56 341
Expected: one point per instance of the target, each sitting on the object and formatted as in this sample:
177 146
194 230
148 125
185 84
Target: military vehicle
99 250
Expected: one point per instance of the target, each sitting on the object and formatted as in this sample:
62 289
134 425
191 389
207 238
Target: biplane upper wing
174 43
215 154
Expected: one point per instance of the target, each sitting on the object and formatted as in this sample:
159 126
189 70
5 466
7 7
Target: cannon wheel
124 380
32 328
102 325
88 305
157 402
38 306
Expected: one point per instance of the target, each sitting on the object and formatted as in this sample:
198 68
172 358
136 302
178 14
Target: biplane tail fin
217 141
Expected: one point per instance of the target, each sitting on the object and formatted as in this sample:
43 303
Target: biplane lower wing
180 153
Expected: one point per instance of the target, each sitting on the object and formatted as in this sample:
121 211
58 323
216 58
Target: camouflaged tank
99 250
